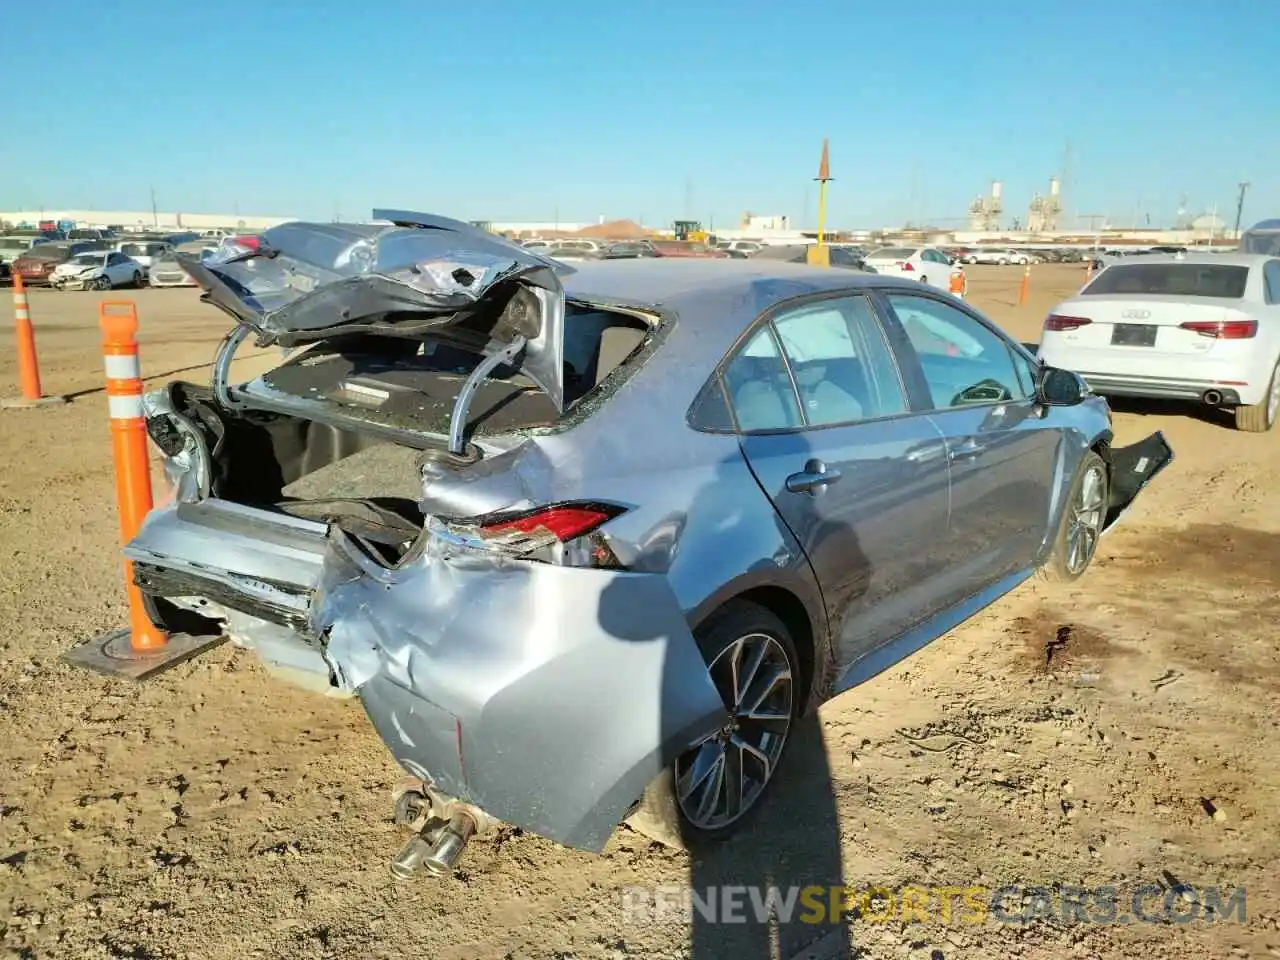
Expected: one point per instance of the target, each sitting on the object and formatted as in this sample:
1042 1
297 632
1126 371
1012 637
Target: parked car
997 257
12 247
838 256
925 264
745 247
674 507
590 246
96 270
166 271
629 250
571 253
37 264
143 252
689 248
1203 328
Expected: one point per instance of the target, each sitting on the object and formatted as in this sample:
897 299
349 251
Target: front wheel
1261 416
102 283
137 279
1080 526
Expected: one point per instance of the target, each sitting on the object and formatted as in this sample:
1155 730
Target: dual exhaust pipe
442 827
436 851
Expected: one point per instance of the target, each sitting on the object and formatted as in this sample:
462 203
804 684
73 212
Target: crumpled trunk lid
411 275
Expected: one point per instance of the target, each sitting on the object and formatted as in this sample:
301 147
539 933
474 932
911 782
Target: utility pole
155 217
1244 186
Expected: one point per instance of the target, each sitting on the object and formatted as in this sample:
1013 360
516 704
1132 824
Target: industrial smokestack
1054 186
997 188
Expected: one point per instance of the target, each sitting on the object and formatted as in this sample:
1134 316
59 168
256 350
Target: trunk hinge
222 365
458 421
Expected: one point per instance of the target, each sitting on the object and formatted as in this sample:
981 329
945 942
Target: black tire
103 283
660 815
137 279
1259 417
1063 566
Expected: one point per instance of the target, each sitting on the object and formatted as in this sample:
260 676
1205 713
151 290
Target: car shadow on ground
765 891
1150 407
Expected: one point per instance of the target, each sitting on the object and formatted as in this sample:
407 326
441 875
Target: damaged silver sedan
586 542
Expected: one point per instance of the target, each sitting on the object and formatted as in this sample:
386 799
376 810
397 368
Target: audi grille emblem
1136 314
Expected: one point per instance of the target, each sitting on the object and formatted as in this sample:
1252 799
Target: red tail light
1223 329
1059 322
563 521
907 267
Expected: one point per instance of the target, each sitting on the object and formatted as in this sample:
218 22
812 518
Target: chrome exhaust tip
411 857
449 844
1212 397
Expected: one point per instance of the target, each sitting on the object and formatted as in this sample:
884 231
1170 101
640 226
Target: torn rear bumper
547 696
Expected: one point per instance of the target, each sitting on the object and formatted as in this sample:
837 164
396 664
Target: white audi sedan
1197 327
926 264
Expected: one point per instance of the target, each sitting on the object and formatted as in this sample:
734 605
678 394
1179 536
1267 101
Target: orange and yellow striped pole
119 322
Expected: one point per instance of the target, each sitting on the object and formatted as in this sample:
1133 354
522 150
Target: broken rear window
414 383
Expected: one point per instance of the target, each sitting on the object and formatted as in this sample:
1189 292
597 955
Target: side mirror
951 261
1061 388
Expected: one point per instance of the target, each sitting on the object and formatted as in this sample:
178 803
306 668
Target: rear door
860 480
1000 449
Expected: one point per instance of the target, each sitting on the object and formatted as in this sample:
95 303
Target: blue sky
660 109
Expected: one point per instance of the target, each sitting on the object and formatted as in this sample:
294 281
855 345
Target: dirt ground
1066 735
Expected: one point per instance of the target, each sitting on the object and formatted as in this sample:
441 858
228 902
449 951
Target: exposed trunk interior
352 476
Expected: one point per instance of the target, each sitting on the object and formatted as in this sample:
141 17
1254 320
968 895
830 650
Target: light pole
1244 186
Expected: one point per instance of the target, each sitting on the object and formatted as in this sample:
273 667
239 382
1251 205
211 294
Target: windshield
133 249
892 253
14 243
1172 279
87 259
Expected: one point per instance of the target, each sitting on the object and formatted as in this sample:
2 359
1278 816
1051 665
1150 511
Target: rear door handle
813 479
966 451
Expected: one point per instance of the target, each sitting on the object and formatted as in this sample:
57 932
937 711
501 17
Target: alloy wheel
721 777
1084 524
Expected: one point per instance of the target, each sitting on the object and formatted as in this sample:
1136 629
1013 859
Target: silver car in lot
586 543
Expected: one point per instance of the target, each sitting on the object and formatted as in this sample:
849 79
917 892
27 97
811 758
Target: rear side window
1221 281
759 386
834 367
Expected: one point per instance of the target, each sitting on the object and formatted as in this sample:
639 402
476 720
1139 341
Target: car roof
661 282
1208 259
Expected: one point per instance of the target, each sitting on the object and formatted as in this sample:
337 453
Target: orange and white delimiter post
24 337
119 322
